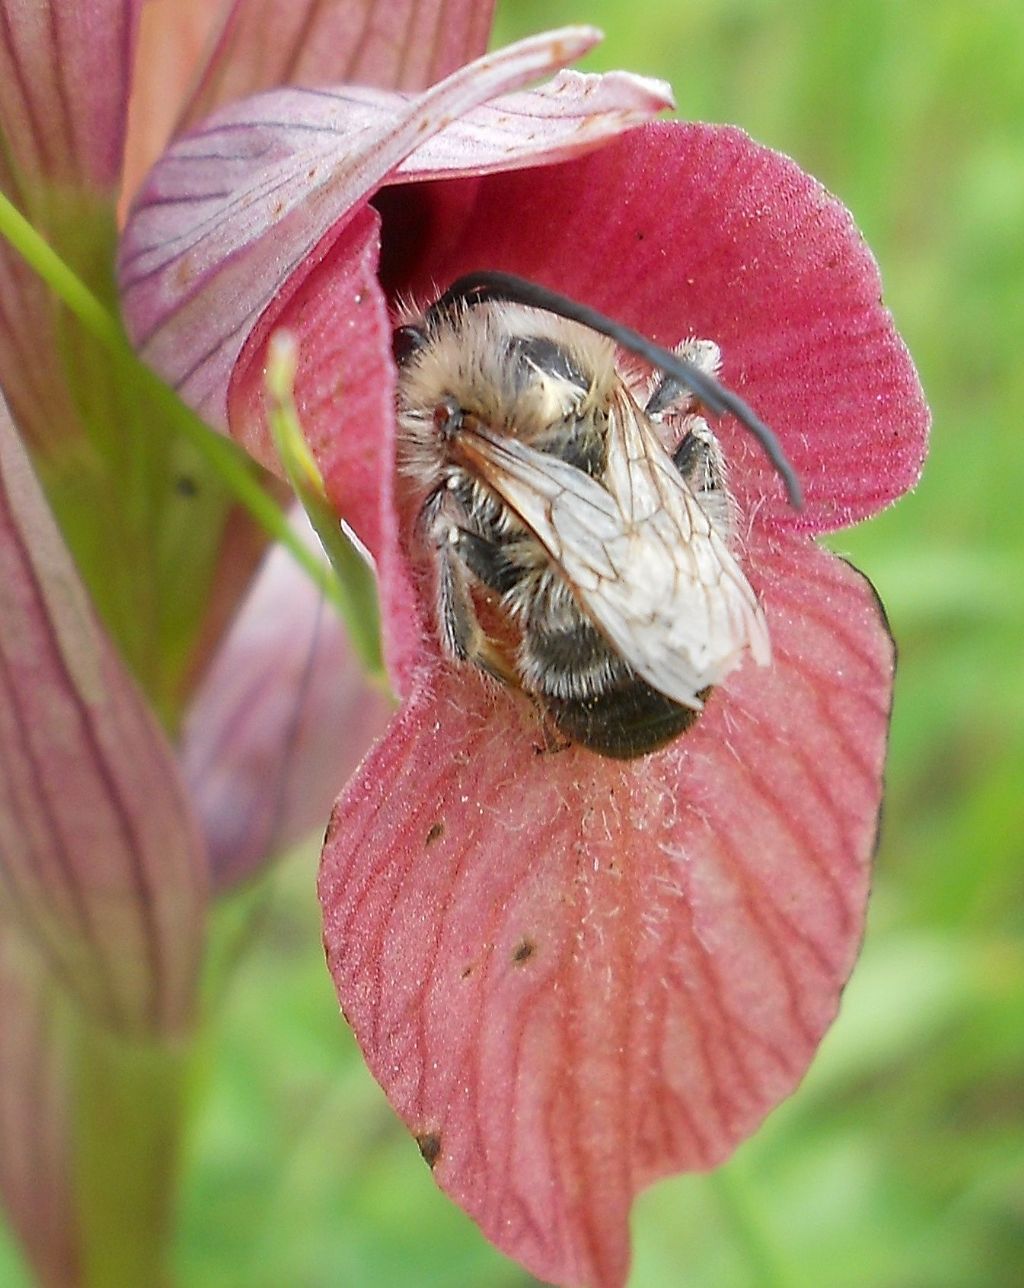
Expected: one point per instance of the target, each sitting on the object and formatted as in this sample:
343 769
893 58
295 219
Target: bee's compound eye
448 417
405 341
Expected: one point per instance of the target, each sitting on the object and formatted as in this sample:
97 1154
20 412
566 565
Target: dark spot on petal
435 833
430 1147
554 741
333 827
185 485
640 236
524 951
184 272
467 971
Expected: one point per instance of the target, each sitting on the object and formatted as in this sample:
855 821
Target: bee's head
474 290
520 370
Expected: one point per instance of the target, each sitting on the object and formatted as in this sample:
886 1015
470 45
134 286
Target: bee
576 512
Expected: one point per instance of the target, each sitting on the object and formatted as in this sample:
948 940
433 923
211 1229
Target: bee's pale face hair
468 360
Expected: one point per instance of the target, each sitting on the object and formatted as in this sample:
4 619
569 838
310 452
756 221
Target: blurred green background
900 1162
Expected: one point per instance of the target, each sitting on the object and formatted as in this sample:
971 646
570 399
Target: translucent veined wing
642 556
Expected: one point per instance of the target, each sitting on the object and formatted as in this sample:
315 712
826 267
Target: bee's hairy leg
462 635
490 565
486 560
670 396
456 616
697 455
698 458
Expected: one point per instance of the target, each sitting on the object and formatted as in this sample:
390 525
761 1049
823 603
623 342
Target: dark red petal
685 229
573 976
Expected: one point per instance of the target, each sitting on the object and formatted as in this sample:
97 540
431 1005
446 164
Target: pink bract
103 866
572 976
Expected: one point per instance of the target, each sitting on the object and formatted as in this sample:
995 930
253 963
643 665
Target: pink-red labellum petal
232 211
282 717
394 44
687 229
573 976
101 865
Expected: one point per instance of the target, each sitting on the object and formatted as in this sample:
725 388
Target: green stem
356 584
128 1113
223 456
734 1199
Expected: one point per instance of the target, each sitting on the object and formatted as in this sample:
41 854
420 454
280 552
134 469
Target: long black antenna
478 288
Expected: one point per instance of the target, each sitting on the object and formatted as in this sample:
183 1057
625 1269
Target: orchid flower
570 975
172 712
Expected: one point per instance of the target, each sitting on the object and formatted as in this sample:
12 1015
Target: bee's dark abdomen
624 722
